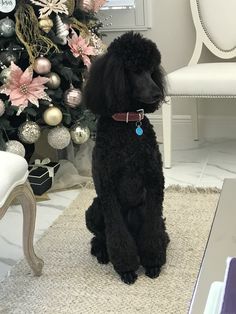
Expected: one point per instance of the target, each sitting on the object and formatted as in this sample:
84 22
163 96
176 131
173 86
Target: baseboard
210 127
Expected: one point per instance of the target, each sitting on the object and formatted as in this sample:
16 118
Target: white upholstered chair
14 186
215 24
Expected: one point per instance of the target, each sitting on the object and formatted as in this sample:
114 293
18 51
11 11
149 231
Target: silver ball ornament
15 147
54 80
7 57
29 132
5 75
7 27
42 65
2 108
72 97
59 137
79 134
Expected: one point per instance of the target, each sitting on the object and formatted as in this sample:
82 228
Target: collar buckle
141 114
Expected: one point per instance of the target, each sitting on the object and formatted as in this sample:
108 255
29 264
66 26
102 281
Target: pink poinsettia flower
80 48
22 88
98 4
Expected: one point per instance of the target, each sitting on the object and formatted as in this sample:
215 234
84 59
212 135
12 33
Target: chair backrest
215 23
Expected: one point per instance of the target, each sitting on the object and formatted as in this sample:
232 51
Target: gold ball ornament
29 132
54 80
79 134
2 108
15 147
42 65
5 75
59 137
52 116
72 97
46 24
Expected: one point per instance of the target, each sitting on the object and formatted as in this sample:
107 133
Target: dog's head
127 78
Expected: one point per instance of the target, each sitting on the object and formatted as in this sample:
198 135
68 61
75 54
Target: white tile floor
204 163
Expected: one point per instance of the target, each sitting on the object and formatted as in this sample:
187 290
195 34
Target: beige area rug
73 282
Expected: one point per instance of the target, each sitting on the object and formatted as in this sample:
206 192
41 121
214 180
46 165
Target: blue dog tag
139 131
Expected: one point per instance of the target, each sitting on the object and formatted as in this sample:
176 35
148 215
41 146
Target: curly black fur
126 216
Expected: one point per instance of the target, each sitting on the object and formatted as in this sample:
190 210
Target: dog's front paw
128 277
102 257
99 250
152 272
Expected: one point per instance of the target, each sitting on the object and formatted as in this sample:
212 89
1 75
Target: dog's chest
135 154
141 145
122 148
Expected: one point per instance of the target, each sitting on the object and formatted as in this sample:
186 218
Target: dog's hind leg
95 223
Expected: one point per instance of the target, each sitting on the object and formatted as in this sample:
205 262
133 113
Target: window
123 15
119 4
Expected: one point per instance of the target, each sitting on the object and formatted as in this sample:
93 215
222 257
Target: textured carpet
73 282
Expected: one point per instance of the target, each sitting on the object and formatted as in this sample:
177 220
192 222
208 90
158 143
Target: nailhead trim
207 33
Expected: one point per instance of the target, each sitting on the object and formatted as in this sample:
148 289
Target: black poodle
126 216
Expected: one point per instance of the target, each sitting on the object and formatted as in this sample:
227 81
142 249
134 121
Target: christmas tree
46 48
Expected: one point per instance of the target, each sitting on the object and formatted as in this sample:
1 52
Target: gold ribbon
28 32
70 6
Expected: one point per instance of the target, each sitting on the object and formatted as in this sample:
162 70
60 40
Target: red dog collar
129 116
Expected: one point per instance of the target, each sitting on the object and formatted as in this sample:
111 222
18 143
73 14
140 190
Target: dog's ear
105 90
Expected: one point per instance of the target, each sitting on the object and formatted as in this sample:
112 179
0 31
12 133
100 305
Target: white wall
174 33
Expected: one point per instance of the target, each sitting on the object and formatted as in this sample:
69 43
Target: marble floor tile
204 163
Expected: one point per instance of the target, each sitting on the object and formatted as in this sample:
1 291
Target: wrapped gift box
40 180
41 175
47 163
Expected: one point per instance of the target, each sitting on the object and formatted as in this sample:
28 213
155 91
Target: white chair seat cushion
203 79
13 172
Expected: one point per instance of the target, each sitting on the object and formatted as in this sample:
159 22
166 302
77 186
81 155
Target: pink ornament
91 5
22 87
42 65
97 4
86 5
80 48
72 97
2 108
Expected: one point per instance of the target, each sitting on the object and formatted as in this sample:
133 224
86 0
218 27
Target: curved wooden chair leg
27 201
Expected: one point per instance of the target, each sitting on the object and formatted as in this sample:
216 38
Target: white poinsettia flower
49 6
